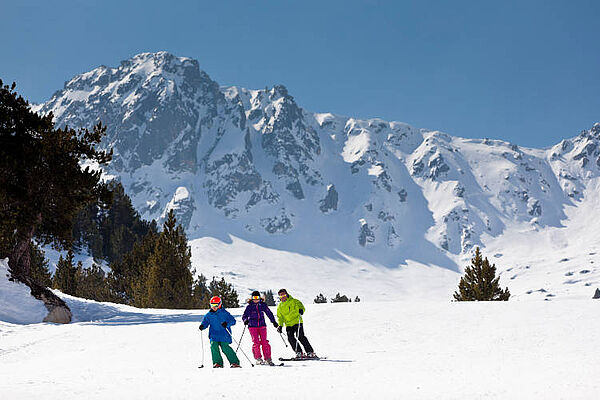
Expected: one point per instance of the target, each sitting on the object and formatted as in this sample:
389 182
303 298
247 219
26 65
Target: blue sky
522 71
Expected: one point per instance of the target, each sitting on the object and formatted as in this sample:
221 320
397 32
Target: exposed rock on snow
330 201
366 234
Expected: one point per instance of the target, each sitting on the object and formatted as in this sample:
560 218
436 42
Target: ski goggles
282 296
255 297
214 304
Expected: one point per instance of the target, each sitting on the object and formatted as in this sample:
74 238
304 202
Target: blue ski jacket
213 320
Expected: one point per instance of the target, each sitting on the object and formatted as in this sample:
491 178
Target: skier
289 312
219 320
255 319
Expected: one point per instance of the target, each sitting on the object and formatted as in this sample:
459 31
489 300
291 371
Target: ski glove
279 329
275 325
224 324
301 311
201 327
245 322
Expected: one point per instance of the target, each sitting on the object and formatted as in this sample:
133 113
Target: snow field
17 306
248 266
416 350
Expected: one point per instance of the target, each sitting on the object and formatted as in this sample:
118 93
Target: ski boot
311 355
259 361
270 362
236 366
299 355
217 365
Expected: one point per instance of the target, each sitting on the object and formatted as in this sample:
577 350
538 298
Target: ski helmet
216 300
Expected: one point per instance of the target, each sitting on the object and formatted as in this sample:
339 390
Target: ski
302 358
313 359
274 365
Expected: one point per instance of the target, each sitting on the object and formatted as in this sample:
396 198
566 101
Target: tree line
155 273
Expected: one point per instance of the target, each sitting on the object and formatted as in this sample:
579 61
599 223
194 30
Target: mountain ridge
254 164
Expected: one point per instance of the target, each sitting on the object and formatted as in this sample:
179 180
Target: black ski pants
292 332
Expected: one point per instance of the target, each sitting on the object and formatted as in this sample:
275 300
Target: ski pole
284 342
241 337
202 341
231 336
298 334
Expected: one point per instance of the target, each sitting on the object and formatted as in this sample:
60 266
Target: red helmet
216 300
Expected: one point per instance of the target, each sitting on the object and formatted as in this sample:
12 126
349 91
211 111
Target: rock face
254 164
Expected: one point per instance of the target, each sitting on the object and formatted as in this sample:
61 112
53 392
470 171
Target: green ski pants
229 353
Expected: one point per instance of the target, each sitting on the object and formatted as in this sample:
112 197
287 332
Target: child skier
219 320
255 319
289 312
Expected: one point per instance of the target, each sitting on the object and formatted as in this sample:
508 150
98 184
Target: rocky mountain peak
255 164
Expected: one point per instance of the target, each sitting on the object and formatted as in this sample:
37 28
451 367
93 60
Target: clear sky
522 71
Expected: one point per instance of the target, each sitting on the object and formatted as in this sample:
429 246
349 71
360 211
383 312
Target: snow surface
401 349
17 306
249 267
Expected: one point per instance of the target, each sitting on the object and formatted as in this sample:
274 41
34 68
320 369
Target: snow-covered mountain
253 164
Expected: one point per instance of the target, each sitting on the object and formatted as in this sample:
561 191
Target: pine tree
110 234
92 284
357 299
128 276
225 291
65 276
39 267
86 232
121 225
170 278
320 299
201 293
42 183
480 283
269 298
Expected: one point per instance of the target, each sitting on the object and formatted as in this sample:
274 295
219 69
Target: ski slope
392 350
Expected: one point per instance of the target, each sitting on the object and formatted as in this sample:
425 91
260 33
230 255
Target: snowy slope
17 306
416 350
249 267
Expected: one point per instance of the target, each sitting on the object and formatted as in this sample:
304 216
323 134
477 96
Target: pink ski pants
259 338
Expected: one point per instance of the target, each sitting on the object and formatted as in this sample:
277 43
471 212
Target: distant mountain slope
255 165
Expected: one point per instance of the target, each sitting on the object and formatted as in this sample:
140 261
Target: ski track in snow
415 350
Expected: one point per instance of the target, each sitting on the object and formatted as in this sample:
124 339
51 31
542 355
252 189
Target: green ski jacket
287 311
